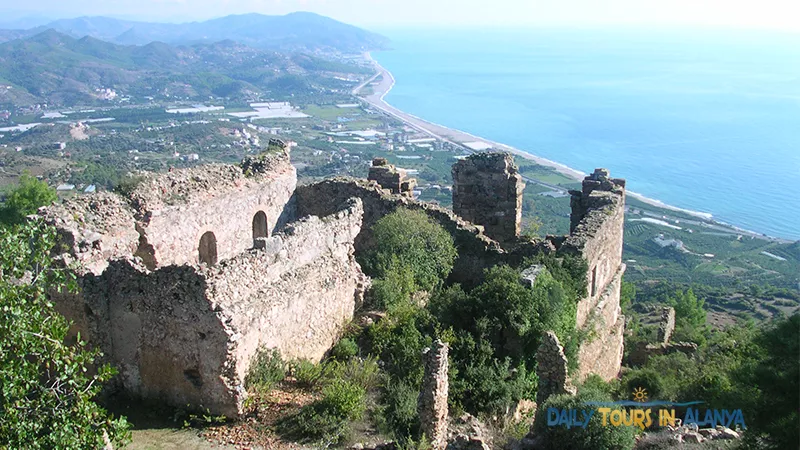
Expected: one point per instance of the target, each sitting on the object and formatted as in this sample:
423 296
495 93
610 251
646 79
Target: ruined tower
487 191
391 178
596 233
433 396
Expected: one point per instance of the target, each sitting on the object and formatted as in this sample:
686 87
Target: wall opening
260 227
594 281
208 249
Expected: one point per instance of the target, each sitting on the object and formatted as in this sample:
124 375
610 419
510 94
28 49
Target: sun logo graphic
640 395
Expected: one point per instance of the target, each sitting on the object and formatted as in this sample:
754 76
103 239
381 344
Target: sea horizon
468 83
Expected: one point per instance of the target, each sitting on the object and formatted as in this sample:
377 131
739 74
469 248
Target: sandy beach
377 100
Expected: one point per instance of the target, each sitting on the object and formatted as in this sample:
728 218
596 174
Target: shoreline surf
378 100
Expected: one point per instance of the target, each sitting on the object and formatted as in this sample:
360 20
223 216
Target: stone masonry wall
186 335
175 209
596 234
487 191
476 251
296 294
391 178
432 405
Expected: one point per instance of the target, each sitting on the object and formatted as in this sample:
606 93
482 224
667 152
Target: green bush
306 373
510 316
46 386
328 419
345 349
394 289
411 239
26 198
595 436
649 380
398 341
362 373
398 416
266 369
482 383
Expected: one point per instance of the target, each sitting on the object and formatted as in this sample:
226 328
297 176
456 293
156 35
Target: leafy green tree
28 196
690 316
411 239
46 386
775 412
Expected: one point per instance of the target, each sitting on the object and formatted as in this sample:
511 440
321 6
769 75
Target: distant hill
296 31
61 70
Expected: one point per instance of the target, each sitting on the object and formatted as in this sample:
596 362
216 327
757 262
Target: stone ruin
596 233
551 368
667 325
643 351
186 275
487 190
389 177
433 396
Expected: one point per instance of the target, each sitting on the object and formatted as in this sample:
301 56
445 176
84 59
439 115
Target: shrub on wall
411 239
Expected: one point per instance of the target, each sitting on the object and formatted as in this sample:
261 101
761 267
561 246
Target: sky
778 15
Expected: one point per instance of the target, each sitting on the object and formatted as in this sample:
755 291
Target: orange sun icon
640 395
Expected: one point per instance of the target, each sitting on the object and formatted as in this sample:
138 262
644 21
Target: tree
46 386
24 199
773 422
411 239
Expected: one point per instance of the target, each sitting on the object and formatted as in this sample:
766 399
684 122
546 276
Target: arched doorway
208 249
260 227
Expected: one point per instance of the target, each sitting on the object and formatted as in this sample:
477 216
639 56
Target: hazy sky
764 14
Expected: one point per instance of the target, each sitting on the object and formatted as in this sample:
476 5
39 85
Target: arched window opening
260 228
208 249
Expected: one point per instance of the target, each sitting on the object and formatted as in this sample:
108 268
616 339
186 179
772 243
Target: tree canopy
46 386
28 196
410 239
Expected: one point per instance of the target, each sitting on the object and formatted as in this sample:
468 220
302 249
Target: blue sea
707 121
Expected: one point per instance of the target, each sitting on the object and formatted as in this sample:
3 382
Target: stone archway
208 248
260 227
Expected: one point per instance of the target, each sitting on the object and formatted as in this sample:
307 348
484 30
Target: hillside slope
55 68
296 31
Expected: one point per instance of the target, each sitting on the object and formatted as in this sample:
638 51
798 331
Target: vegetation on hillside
47 386
24 199
60 70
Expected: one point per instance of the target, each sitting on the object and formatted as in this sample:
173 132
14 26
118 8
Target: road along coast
385 84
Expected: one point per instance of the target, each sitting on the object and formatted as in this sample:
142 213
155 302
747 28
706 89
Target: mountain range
54 68
296 31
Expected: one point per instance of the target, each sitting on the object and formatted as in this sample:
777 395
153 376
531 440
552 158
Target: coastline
458 137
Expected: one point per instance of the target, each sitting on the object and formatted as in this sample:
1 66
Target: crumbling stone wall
551 368
391 178
433 412
476 251
643 351
174 210
487 191
96 228
596 233
186 334
667 325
